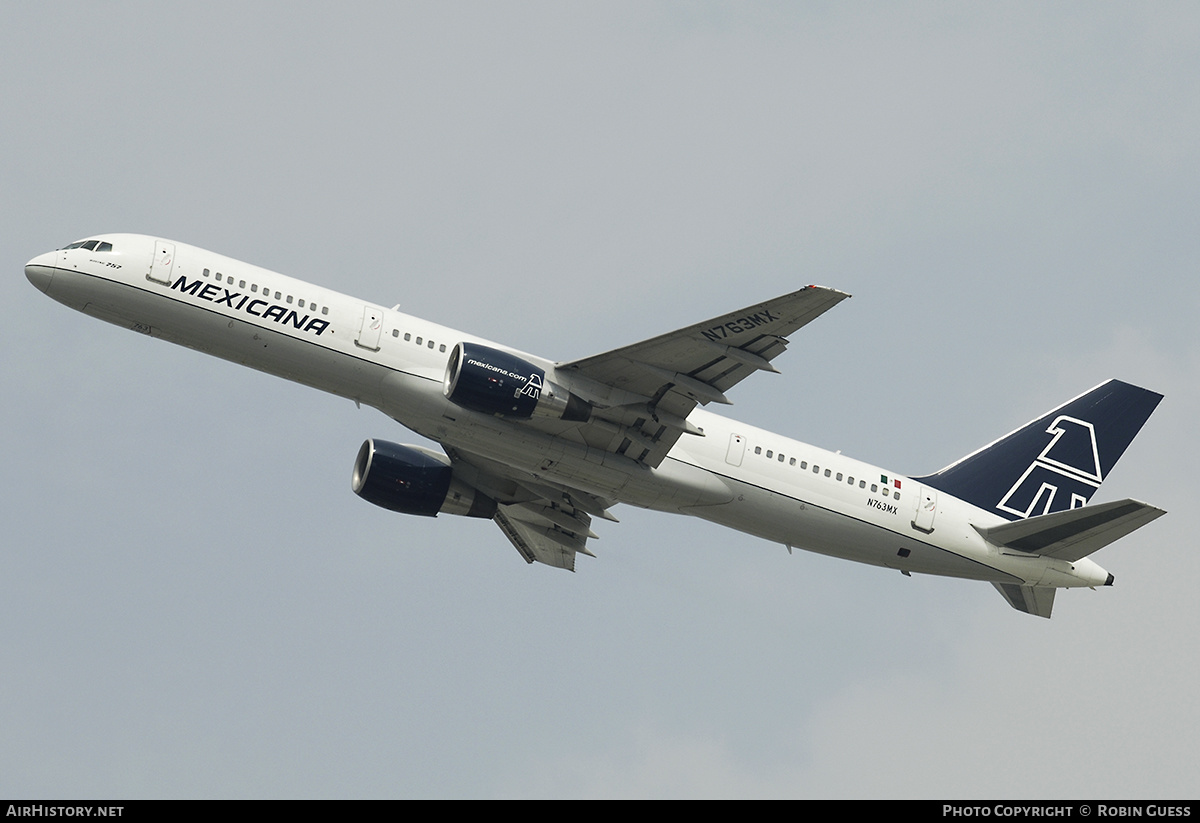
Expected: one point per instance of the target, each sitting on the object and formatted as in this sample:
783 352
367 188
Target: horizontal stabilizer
1073 534
1035 600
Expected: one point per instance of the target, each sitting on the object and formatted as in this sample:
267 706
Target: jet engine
495 382
414 480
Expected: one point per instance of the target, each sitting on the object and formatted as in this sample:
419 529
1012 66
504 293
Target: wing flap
543 540
550 515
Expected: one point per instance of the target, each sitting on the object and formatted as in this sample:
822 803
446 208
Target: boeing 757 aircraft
541 447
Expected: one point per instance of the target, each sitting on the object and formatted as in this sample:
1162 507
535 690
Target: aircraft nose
40 270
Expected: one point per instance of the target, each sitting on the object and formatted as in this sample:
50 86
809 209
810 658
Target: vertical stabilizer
1035 600
1056 462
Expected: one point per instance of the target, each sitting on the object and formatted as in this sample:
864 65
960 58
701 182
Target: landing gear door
164 260
926 510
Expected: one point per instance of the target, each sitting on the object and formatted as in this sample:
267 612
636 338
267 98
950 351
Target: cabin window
769 453
442 347
205 272
792 462
431 344
839 477
827 472
781 459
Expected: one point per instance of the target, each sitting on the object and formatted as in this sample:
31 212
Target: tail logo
1070 464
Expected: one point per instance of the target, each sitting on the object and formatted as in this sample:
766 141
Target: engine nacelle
414 480
495 382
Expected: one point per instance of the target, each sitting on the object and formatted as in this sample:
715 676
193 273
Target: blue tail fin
1056 462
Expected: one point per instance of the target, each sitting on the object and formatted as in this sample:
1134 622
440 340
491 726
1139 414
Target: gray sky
194 604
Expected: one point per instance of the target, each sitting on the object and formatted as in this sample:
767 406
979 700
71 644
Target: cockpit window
90 245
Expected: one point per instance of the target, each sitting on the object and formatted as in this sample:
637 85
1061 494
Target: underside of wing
643 393
539 532
547 524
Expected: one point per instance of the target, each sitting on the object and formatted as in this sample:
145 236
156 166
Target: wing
546 523
643 393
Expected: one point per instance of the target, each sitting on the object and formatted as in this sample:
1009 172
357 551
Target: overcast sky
194 604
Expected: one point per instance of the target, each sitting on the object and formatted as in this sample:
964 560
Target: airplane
541 447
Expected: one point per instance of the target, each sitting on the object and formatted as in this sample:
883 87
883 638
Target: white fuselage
735 475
